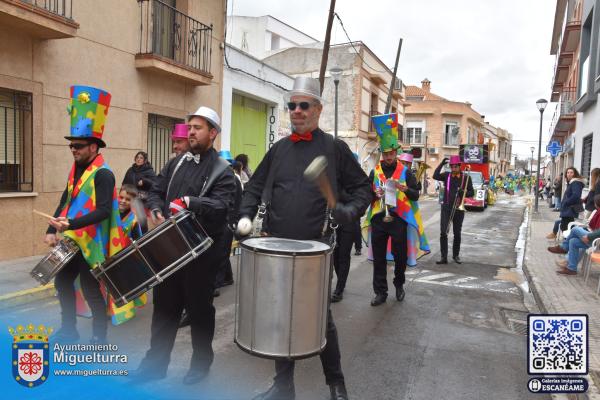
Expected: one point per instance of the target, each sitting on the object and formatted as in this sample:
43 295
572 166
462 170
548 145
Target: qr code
557 344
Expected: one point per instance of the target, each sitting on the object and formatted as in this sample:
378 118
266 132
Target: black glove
343 213
445 161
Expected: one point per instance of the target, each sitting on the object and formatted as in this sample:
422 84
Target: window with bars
16 141
159 139
451 134
586 156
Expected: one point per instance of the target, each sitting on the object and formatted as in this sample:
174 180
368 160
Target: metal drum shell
282 302
55 261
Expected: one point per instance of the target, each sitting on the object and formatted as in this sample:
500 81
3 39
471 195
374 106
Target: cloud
494 54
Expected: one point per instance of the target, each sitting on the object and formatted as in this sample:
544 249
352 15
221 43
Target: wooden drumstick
42 214
316 172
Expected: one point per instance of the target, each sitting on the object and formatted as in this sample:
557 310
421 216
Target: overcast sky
492 53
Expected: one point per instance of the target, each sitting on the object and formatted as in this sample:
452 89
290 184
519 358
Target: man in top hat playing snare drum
455 183
88 214
201 182
297 209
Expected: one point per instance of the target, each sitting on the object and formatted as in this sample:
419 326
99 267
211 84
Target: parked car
480 186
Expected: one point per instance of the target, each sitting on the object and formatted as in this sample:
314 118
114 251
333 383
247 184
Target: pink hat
180 132
455 160
406 157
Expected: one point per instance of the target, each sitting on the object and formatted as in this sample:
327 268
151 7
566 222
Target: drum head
275 245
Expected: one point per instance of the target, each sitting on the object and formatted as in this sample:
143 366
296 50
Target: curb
25 296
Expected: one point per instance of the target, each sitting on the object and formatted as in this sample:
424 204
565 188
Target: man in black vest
178 186
455 183
297 209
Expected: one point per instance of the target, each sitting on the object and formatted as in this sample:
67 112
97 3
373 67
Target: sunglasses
304 105
78 146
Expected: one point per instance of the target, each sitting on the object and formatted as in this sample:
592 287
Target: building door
248 128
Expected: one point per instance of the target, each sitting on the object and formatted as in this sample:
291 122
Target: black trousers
357 236
224 272
64 281
380 234
457 222
330 360
191 288
341 258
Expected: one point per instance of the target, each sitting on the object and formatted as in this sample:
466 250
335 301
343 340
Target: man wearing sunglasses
86 205
297 209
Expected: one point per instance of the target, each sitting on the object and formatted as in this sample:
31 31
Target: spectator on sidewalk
594 190
557 187
140 175
576 245
571 204
578 231
246 171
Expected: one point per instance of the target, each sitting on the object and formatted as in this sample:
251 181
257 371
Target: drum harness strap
268 190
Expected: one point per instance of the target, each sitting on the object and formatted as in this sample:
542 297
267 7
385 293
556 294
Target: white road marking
436 276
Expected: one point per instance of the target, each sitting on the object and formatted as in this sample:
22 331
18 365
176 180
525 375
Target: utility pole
325 55
388 104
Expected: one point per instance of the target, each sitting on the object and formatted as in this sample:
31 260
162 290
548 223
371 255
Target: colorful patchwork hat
386 127
180 132
88 110
454 160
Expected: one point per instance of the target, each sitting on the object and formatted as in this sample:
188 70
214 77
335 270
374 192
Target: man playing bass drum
455 183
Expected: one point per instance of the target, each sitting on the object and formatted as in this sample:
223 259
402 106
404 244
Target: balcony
567 46
174 44
42 19
563 120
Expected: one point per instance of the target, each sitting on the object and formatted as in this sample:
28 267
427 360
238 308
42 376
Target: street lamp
336 73
541 105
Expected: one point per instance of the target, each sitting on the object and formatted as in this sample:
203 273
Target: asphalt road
455 336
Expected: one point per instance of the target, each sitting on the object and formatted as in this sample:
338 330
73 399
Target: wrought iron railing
565 107
63 8
169 33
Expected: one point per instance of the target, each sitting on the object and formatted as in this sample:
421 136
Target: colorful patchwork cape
417 245
99 241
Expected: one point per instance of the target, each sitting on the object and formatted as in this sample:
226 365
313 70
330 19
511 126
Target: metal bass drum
57 259
152 258
282 297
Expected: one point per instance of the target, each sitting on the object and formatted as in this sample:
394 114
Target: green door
248 128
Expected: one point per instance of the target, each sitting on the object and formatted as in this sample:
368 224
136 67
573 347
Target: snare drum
153 257
59 257
282 297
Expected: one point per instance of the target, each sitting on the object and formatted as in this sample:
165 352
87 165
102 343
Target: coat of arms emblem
30 354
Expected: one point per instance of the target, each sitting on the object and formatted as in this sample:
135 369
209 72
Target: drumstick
315 172
42 214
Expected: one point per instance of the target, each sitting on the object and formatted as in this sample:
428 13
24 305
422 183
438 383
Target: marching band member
393 221
177 187
89 215
179 139
297 208
455 183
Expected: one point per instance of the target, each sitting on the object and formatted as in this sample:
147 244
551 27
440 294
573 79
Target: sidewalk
557 293
17 287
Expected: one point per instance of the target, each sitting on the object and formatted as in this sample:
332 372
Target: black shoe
65 335
443 260
338 391
400 293
336 297
357 253
146 374
216 293
195 375
185 320
378 300
278 392
457 260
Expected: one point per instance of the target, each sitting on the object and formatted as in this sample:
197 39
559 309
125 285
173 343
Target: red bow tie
296 137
